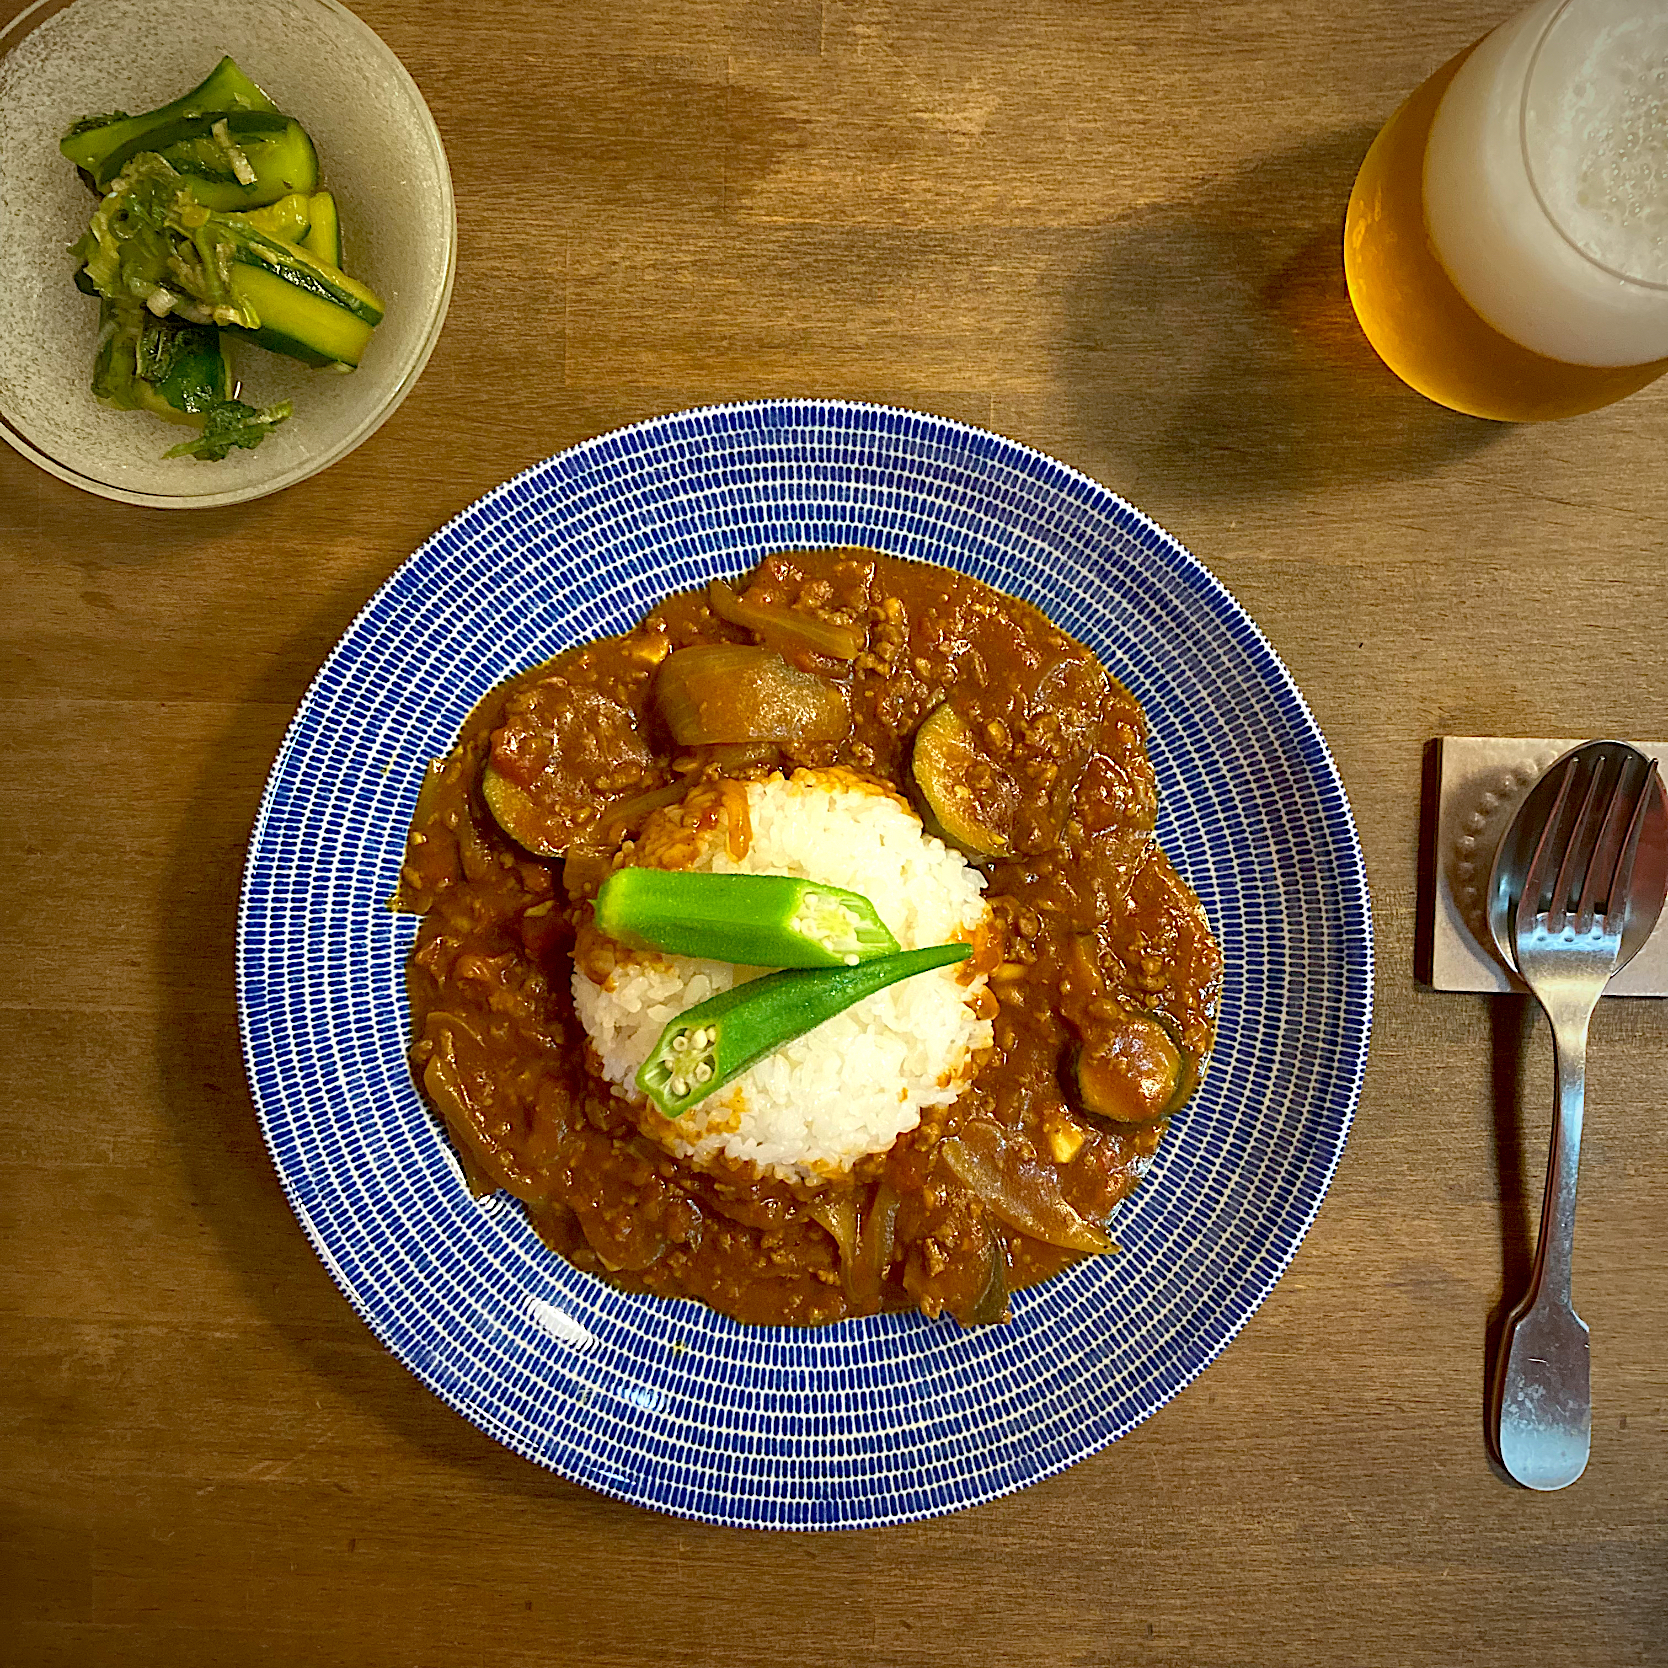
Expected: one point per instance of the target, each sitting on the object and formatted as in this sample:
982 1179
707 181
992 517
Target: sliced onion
631 1242
459 1079
1020 1192
622 818
838 1214
991 1306
876 1244
786 628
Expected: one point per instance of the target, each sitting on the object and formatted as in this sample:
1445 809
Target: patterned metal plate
871 1421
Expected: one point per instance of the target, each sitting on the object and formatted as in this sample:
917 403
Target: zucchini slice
1132 1069
970 800
518 814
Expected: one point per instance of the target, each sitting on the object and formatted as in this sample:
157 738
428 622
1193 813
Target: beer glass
1507 239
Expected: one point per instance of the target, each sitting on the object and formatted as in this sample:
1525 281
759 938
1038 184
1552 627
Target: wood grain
1109 230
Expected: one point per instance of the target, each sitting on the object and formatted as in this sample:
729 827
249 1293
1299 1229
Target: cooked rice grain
859 1081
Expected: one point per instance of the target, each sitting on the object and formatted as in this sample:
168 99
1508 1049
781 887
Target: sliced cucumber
281 157
302 269
192 138
289 219
324 233
297 322
226 88
171 369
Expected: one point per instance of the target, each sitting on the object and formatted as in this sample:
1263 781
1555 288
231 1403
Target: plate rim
1359 962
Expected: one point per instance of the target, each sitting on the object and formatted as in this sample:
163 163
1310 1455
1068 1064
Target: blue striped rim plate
873 1421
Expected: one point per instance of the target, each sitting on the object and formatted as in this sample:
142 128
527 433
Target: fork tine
1578 853
1606 854
1621 876
1529 900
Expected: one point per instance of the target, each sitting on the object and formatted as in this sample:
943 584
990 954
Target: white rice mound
863 1078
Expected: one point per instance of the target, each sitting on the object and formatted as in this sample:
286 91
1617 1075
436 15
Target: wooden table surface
1111 231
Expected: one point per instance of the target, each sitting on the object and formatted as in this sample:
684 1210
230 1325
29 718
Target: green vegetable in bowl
232 161
288 300
290 219
170 368
210 221
324 229
231 424
94 140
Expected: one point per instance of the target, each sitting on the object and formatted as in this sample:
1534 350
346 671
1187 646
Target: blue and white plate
871 1421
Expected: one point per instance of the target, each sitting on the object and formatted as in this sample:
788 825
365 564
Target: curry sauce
1105 984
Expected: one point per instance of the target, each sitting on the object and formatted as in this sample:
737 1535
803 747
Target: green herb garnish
232 423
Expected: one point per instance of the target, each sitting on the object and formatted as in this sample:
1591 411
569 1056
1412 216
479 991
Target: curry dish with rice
1090 974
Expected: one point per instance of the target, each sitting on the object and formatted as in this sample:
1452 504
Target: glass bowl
379 153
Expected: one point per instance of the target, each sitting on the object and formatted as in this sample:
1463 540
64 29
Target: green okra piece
752 920
702 1049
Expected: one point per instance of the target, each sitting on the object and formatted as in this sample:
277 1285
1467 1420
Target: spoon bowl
1517 850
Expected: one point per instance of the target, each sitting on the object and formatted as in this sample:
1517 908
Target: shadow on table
1510 1021
1215 335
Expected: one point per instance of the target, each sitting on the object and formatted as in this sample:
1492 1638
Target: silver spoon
1517 848
1576 889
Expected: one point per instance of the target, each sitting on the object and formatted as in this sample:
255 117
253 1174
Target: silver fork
1567 939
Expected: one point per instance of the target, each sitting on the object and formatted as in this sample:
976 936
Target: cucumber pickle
211 222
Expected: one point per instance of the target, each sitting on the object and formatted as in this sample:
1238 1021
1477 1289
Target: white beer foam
1594 122
1595 128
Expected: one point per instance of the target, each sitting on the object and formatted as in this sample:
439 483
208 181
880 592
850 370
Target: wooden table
1110 231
